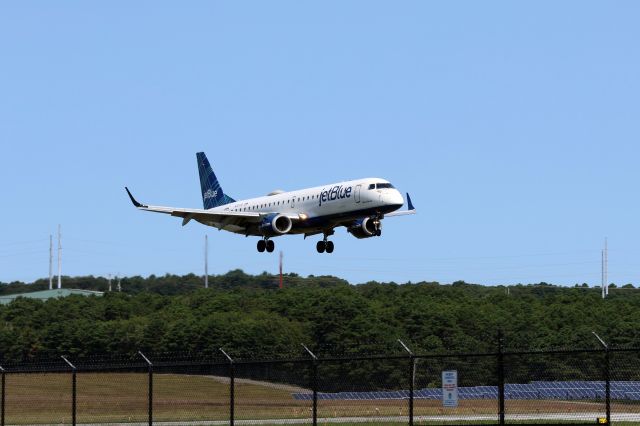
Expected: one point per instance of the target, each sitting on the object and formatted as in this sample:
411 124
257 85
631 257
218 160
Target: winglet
409 202
133 200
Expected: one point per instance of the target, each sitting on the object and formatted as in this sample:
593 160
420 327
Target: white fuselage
324 205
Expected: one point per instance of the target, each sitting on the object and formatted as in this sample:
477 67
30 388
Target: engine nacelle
364 228
275 224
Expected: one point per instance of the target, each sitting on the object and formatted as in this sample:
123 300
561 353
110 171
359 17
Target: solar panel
570 390
618 394
580 394
520 394
552 393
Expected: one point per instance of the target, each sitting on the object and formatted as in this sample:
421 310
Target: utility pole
59 256
281 255
50 262
109 282
119 286
604 271
206 261
606 268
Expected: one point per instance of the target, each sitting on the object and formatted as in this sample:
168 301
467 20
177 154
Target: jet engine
365 228
275 224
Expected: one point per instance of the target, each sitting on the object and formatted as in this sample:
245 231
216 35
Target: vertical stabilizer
212 193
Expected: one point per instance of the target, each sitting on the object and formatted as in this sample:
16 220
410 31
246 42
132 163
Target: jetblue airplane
359 205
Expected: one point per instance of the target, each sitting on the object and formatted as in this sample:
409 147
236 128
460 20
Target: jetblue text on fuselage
336 193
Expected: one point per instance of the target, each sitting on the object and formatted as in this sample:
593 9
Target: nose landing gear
377 223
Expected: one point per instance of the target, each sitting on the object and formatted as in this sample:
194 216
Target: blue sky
514 126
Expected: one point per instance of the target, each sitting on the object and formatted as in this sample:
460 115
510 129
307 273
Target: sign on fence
450 388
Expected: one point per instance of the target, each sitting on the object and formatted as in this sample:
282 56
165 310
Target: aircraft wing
217 218
410 209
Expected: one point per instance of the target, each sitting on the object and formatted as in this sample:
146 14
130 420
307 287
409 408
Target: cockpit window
384 185
372 186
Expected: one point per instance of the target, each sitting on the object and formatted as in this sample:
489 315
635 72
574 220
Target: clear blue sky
514 125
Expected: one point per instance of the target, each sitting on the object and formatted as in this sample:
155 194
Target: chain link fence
586 386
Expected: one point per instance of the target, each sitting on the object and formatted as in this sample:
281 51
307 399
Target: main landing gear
324 245
266 244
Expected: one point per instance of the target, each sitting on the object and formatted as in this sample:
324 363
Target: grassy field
122 397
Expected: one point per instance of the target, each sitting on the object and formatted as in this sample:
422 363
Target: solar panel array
542 390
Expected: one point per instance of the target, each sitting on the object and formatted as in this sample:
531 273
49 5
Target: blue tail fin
212 194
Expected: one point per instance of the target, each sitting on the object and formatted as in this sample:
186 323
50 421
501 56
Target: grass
122 397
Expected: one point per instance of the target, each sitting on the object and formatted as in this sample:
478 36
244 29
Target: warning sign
450 388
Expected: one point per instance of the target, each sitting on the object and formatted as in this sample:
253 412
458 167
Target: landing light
303 216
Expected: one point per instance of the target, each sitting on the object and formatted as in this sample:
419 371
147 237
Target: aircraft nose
394 197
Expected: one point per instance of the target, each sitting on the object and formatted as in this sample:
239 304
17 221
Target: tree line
251 317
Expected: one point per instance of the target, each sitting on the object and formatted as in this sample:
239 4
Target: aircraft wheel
329 246
320 246
270 246
262 245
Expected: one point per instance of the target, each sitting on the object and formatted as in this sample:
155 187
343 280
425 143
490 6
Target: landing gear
329 247
266 244
377 223
324 245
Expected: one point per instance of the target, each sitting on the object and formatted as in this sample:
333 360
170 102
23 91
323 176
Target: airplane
359 205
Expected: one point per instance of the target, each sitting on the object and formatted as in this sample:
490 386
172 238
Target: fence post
150 365
314 384
232 381
73 391
501 377
607 378
3 397
412 378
